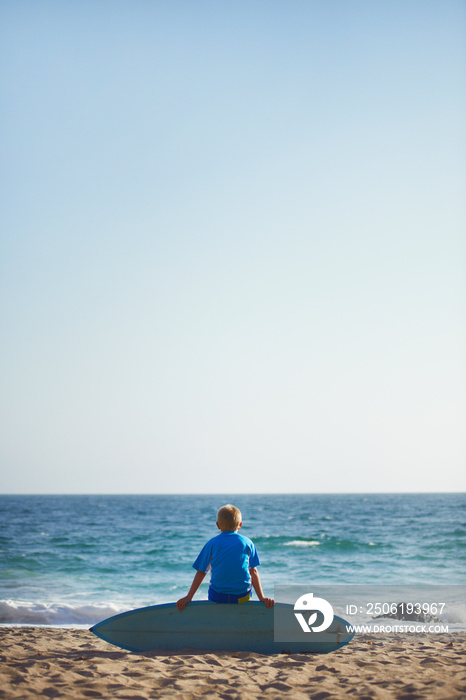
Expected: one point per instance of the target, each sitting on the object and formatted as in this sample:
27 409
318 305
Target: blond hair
229 518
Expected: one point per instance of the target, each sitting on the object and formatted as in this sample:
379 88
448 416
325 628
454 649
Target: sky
232 249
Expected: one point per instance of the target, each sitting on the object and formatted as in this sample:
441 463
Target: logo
308 604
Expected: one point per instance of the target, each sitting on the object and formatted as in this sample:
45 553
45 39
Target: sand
44 662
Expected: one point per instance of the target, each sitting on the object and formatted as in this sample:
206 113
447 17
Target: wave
326 542
56 614
302 543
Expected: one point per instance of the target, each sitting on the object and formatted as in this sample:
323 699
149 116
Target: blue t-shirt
230 556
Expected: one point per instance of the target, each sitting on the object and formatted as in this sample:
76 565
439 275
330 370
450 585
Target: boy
233 560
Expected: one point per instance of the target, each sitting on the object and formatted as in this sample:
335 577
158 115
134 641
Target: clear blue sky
233 246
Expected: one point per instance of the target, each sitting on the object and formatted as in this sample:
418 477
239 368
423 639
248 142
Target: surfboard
207 626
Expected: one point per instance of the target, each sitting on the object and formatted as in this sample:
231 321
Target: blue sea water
73 560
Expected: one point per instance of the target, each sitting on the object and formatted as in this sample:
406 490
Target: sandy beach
73 663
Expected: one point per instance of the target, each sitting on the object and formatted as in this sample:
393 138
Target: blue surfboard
207 626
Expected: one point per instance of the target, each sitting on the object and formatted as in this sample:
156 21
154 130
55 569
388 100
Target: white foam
56 614
302 543
456 613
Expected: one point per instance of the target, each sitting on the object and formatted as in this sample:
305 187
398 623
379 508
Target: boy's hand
269 602
198 579
182 602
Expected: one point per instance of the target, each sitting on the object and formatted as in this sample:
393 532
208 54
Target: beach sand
50 662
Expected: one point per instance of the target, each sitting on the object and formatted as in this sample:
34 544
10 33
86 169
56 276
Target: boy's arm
197 580
256 582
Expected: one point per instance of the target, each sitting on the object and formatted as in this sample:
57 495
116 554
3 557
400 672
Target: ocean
74 560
